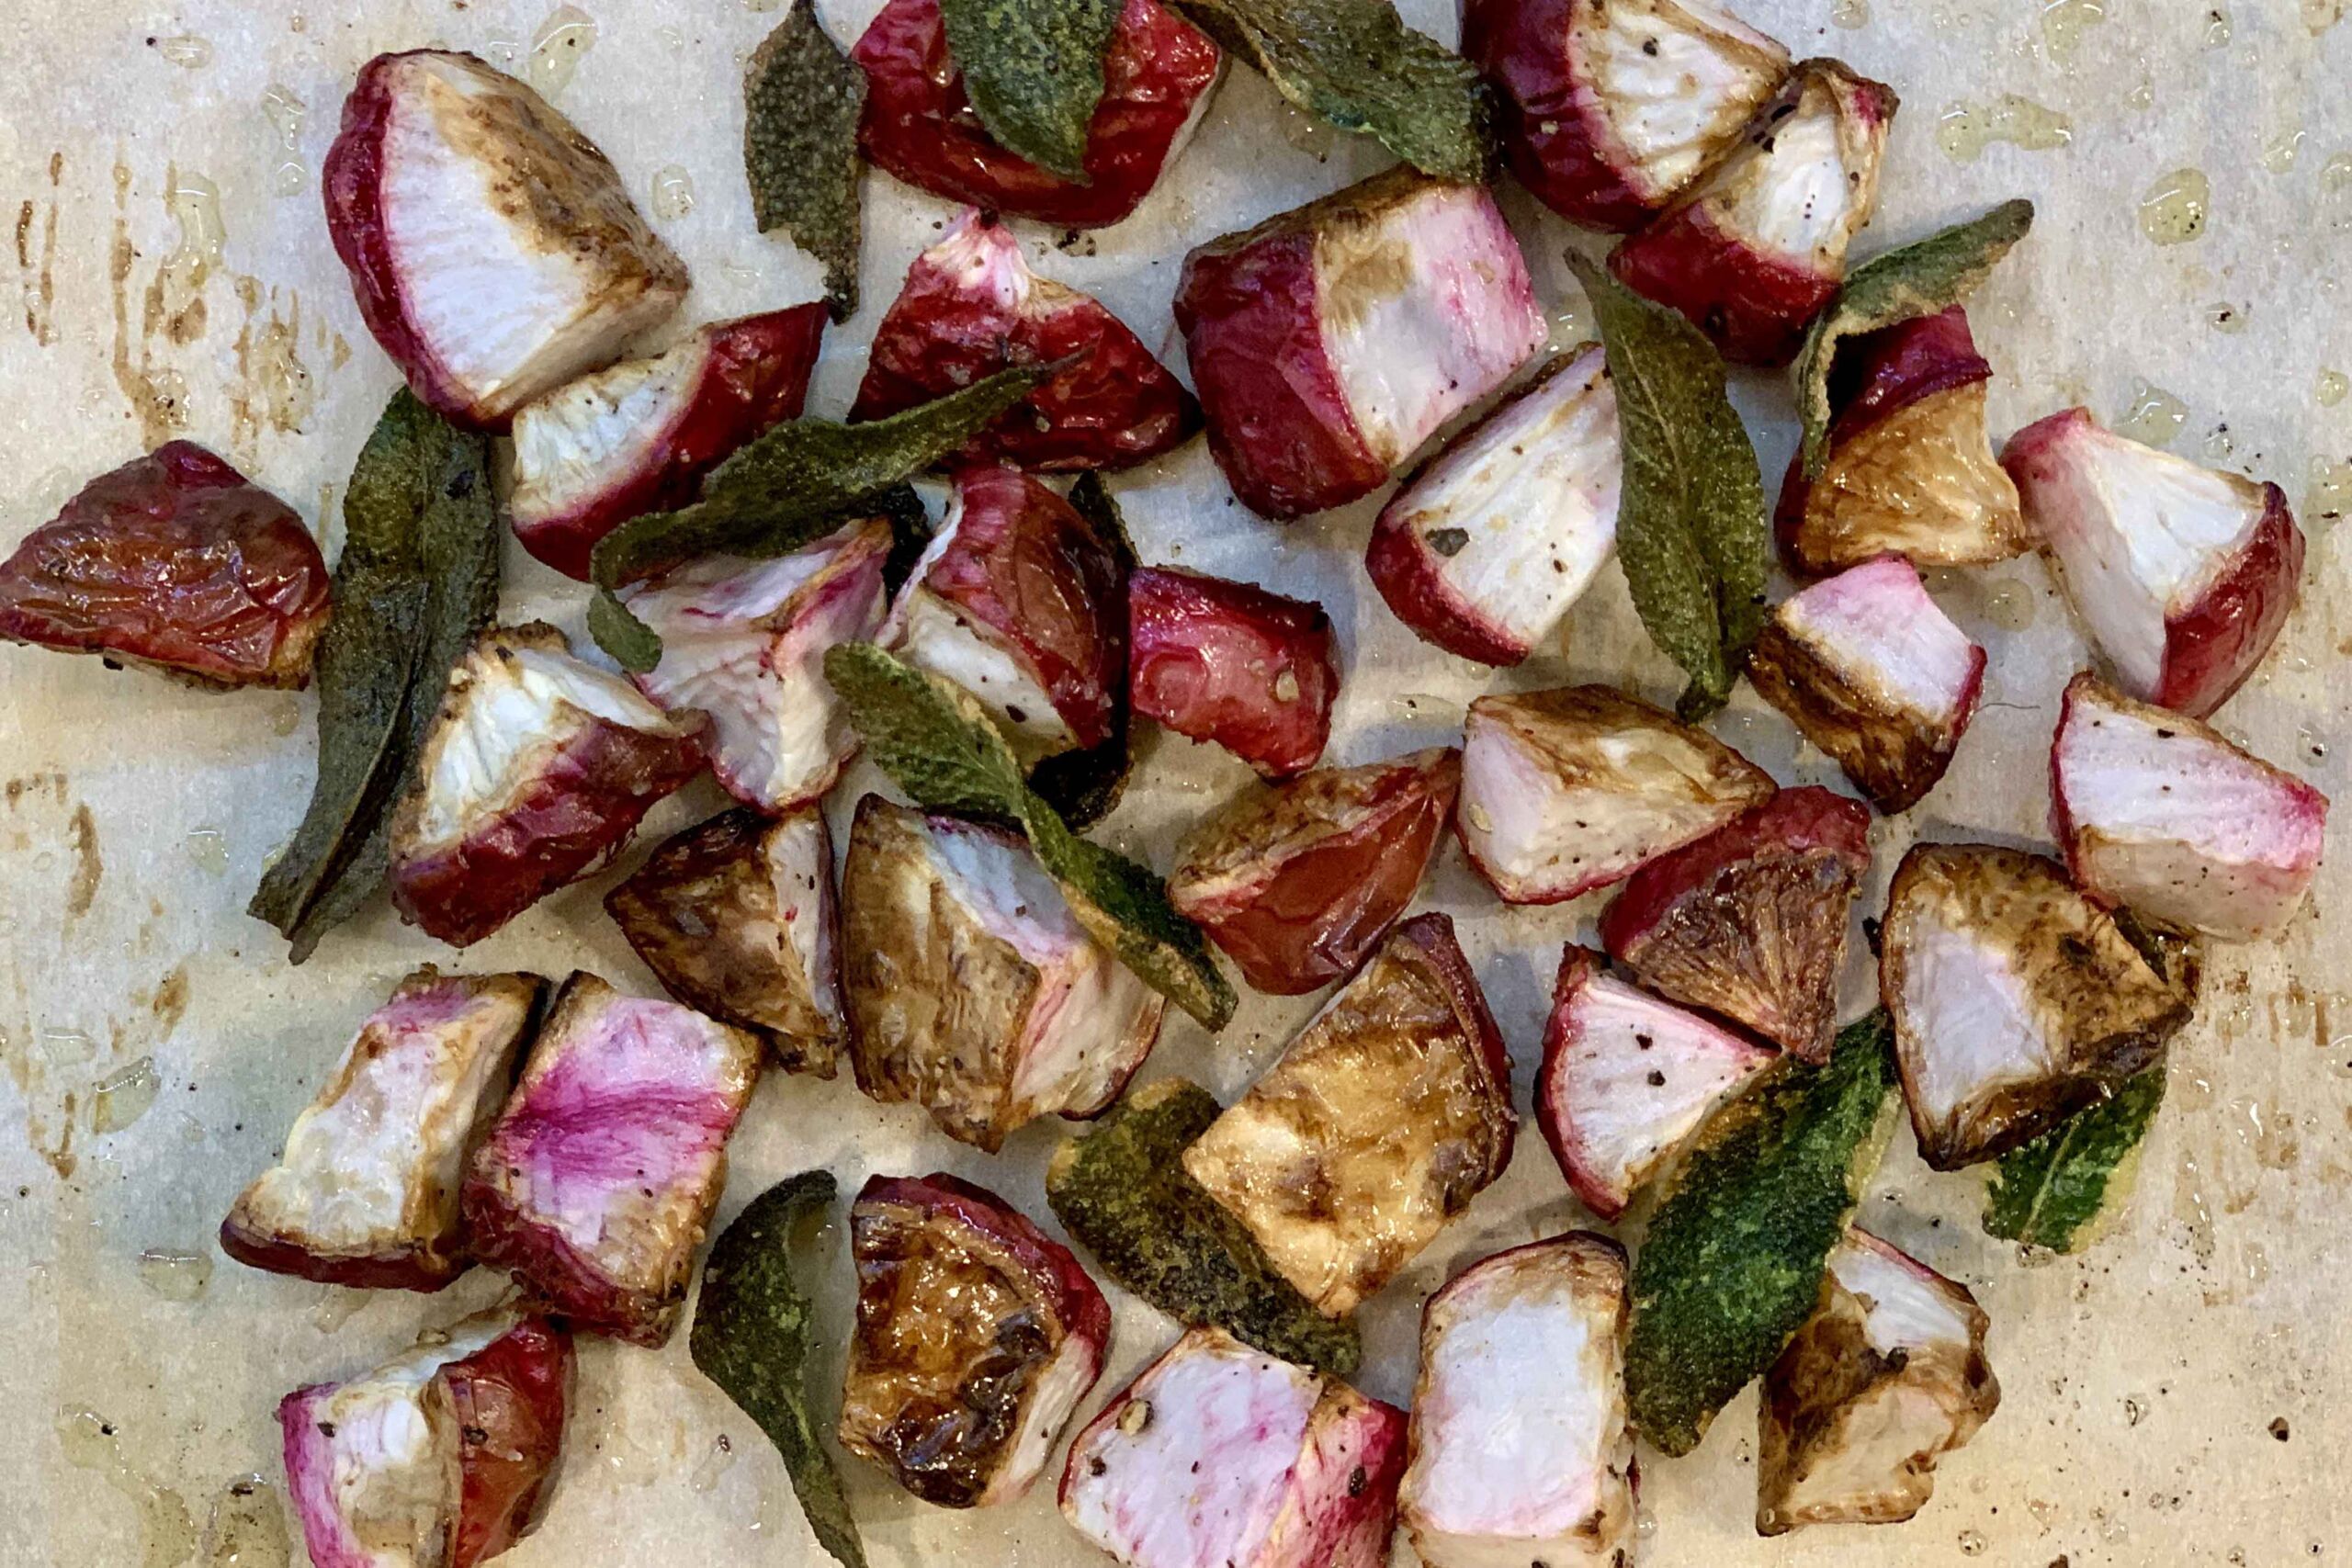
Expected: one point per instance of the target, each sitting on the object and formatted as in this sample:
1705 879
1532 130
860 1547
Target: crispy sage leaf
416 583
1920 279
1084 786
1690 525
785 489
1034 71
751 1338
801 102
1732 1261
1356 64
1121 1190
939 744
2055 1191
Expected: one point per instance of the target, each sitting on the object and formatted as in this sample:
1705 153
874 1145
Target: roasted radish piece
1909 471
976 1335
1885 1378
1331 340
1626 1079
536 771
735 918
1226 661
2182 575
971 308
744 648
493 249
973 990
1754 249
2159 812
176 561
596 1185
1484 549
1020 602
1384 1117
1520 1447
1571 789
920 127
1875 674
2017 1000
1749 923
639 436
365 1193
1219 1457
438 1457
1298 883
1611 107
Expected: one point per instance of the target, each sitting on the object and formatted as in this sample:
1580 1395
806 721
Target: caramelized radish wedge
1486 548
1329 341
1887 1376
1520 1447
2182 576
1571 789
1757 248
1217 1456
493 249
1611 109
1627 1080
2161 813
1875 674
1229 662
1910 469
639 436
971 306
1749 923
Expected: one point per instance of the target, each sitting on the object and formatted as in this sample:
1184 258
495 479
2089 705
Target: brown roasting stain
34 784
169 1003
175 305
273 390
39 281
89 865
156 395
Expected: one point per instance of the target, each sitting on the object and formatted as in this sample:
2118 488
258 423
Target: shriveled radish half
639 436
1627 1077
1329 341
2161 813
1485 549
1754 251
1228 662
1571 789
1609 108
1875 674
2182 575
493 249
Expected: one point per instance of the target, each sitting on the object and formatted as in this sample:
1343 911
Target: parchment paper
2176 1396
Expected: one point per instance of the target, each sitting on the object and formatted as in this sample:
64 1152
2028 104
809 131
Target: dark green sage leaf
939 744
1692 534
415 584
751 1338
1034 71
801 102
2055 1190
1084 786
1920 279
1356 64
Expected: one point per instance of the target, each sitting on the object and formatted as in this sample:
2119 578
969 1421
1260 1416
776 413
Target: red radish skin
2213 646
1794 819
920 127
509 1400
1231 663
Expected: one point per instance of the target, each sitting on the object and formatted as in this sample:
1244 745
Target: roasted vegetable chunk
976 1335
596 1185
366 1190
973 989
1228 662
1381 1121
1219 1457
176 561
737 918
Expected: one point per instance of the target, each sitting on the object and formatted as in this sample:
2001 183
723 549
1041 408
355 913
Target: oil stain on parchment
167 1536
273 390
38 279
89 865
157 393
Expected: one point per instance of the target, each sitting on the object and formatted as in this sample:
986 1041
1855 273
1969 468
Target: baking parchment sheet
2177 1395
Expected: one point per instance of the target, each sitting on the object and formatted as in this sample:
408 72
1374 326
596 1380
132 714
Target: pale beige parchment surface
2177 1395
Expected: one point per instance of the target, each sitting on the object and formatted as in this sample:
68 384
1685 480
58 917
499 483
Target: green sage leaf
802 99
1692 534
415 584
1919 280
939 745
2055 1190
1356 64
751 1338
1034 71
